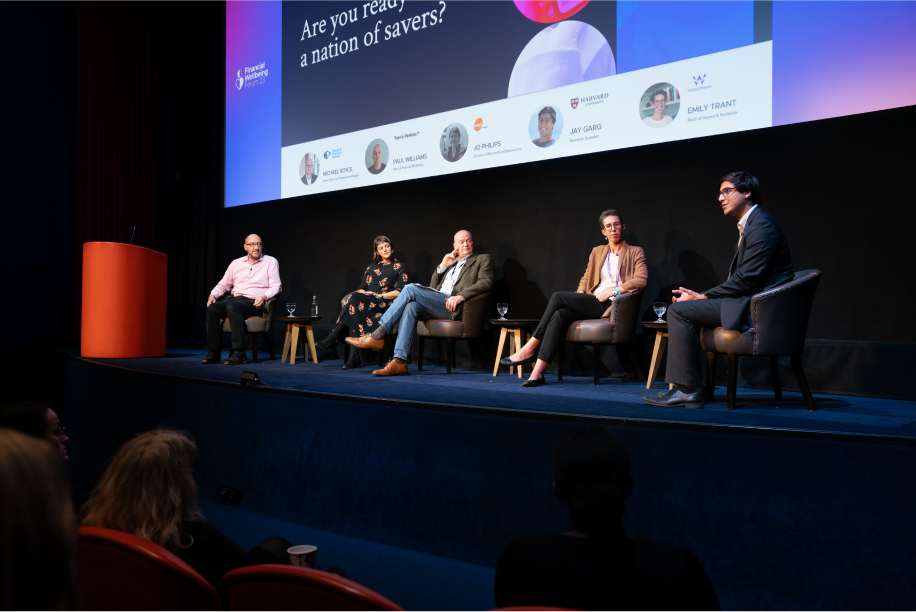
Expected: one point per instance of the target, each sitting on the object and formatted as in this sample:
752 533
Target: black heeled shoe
353 360
329 343
509 362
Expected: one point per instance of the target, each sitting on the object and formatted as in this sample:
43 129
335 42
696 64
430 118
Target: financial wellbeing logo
253 75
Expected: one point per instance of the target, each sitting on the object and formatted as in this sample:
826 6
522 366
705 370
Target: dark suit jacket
761 261
311 179
476 277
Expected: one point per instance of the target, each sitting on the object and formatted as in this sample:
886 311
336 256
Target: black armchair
618 328
256 326
468 327
779 323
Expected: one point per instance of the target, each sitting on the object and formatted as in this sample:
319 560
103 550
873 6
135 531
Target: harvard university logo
574 103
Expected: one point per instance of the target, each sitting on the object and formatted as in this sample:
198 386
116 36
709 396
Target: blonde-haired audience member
149 491
38 527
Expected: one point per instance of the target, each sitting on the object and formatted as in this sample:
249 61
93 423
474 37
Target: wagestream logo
699 82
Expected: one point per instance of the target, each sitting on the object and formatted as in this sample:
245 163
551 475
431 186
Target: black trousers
564 308
684 322
238 309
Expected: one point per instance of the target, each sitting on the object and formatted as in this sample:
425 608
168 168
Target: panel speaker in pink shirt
243 292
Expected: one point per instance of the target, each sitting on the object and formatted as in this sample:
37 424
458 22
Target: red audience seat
120 571
283 587
532 608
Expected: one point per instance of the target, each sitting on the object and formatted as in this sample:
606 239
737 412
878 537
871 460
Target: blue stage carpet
574 396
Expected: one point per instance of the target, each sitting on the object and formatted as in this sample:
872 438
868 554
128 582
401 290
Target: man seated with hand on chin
462 275
253 280
761 261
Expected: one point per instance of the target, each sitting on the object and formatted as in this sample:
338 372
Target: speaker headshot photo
377 156
659 105
453 143
545 126
308 169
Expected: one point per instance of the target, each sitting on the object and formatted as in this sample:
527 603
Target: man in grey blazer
462 275
762 260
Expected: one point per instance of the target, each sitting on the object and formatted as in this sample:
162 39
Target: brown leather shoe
366 342
393 369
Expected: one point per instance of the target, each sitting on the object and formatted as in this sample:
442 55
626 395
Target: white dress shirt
449 283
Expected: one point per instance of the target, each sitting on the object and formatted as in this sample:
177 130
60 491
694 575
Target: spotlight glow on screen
323 96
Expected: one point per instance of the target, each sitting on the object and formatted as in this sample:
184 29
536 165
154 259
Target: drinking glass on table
660 308
291 306
502 308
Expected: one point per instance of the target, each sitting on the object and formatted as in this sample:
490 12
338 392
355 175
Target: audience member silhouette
37 419
38 527
149 491
597 566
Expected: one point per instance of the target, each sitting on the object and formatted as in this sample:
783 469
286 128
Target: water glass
660 308
502 308
291 306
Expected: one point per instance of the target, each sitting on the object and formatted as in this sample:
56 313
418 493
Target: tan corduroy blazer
633 272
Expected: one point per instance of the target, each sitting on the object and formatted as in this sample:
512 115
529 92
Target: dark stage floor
478 390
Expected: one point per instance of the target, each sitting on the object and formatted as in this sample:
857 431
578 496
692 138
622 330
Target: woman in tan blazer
613 268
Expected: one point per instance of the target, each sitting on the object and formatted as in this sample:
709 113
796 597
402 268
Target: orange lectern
124 291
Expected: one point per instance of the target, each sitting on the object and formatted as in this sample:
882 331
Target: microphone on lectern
132 235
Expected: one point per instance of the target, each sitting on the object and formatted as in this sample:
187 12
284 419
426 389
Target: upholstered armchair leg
774 372
711 362
636 365
597 368
561 357
254 346
270 346
421 347
732 388
802 382
449 354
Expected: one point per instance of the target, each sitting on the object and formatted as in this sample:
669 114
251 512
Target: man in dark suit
761 261
462 275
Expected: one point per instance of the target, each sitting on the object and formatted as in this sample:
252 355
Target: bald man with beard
252 280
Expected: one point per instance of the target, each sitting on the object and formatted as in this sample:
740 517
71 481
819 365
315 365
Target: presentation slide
322 96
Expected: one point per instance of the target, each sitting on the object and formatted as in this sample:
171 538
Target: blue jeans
405 308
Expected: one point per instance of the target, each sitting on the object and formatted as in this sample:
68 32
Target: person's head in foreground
148 490
591 476
35 418
37 526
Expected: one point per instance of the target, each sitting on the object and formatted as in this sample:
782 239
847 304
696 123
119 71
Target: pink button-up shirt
251 280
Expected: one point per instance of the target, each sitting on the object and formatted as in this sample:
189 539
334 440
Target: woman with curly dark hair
382 282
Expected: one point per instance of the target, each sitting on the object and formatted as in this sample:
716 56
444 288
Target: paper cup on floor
302 556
